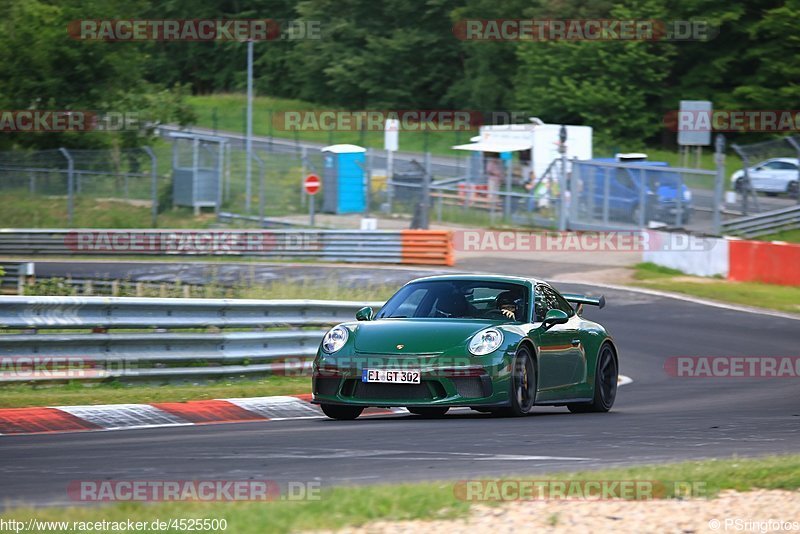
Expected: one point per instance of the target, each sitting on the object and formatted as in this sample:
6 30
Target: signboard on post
311 185
391 135
688 114
391 142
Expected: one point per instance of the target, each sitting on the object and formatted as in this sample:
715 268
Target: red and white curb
162 414
42 420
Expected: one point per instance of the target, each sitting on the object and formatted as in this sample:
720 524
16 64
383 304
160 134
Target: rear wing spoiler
583 299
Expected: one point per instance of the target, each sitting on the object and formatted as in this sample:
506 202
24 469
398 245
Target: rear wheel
523 384
343 413
791 189
605 384
429 412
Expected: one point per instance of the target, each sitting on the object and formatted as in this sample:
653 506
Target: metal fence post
507 200
262 186
792 141
562 180
303 158
642 222
426 193
719 160
70 185
153 185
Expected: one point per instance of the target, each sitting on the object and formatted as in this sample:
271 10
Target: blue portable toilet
343 179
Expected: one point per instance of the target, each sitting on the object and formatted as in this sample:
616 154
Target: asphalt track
657 418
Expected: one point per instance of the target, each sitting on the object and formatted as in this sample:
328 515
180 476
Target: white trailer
541 139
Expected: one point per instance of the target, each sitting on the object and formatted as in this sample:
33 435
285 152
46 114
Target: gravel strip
663 516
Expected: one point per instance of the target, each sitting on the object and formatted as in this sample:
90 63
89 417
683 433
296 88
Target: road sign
312 184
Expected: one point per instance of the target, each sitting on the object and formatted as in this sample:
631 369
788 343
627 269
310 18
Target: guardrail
15 274
764 223
428 247
157 353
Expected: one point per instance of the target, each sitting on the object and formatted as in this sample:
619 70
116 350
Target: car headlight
485 341
687 195
334 339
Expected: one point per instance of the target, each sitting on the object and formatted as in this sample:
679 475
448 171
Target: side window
563 305
784 166
540 304
548 299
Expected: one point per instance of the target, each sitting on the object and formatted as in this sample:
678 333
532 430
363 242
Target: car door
560 351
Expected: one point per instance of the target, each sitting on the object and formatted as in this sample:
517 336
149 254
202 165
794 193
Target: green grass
353 506
790 236
775 297
22 210
24 395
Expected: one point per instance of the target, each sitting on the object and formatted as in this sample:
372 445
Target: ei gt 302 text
496 344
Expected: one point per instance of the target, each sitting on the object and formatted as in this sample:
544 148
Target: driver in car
506 303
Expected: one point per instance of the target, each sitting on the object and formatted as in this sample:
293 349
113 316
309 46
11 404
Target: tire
429 412
605 384
522 394
791 189
342 413
738 185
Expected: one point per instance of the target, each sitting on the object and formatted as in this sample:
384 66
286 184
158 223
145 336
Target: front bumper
467 381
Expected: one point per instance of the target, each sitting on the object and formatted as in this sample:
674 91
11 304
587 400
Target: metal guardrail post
153 185
70 185
719 160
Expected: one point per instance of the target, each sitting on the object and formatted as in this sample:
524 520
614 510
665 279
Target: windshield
470 299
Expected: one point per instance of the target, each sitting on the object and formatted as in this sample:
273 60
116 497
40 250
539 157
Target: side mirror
364 314
554 317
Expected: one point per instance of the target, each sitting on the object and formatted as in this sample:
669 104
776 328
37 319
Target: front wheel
605 384
342 413
791 189
429 412
523 384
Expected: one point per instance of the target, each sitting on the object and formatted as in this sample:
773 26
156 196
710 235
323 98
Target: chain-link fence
65 187
769 176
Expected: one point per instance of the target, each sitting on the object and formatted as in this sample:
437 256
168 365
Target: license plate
390 376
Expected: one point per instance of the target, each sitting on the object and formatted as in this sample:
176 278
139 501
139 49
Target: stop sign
312 184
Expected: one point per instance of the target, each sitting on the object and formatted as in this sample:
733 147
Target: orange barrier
427 247
761 261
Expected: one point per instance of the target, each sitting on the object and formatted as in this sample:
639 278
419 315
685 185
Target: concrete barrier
760 261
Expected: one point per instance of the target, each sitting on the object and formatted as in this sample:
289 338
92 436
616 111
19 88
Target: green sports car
496 344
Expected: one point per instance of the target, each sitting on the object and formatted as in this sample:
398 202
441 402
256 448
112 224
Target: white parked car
772 176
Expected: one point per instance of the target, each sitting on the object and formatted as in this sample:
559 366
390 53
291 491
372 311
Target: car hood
417 336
